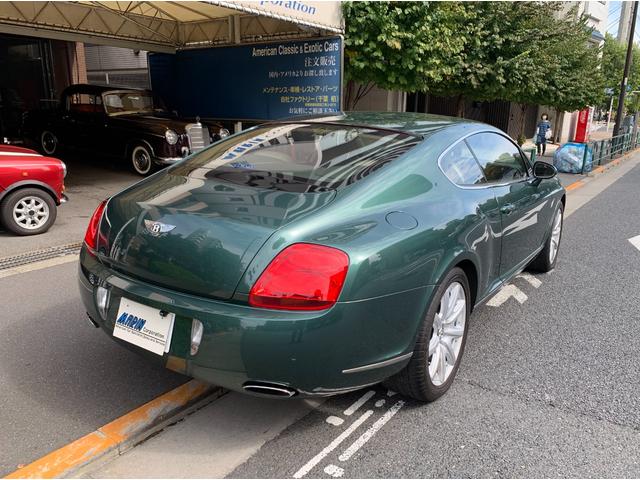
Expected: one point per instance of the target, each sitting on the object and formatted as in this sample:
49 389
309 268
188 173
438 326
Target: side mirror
543 170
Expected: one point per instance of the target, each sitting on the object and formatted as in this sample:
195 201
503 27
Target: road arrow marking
306 468
505 294
334 471
358 403
535 283
366 436
333 420
635 241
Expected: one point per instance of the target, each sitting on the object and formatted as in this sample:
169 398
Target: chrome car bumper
167 160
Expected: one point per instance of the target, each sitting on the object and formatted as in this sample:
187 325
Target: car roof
417 124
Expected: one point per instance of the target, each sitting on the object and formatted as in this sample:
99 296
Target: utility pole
627 67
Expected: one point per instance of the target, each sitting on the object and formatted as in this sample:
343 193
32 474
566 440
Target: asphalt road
548 387
61 378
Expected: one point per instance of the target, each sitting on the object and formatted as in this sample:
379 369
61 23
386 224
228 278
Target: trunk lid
196 235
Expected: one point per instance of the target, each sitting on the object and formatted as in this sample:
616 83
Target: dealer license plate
144 326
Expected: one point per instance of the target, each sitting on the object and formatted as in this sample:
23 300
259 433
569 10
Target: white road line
635 241
333 420
30 267
379 403
334 471
533 281
391 393
358 403
505 294
332 446
366 436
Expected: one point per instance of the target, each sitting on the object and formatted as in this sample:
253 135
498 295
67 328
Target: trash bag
570 156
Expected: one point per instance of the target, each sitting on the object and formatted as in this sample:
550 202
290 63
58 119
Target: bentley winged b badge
157 228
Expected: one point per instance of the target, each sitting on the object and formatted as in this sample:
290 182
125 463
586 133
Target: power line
615 21
617 9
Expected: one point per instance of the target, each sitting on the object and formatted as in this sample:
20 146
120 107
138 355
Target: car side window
84 103
459 165
499 158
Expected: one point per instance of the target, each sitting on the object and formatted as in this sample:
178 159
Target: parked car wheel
49 142
28 211
440 343
141 159
546 259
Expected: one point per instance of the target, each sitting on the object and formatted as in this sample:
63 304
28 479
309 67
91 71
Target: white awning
167 26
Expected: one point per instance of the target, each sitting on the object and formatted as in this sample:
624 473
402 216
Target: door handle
508 208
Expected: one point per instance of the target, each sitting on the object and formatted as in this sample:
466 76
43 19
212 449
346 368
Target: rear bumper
351 345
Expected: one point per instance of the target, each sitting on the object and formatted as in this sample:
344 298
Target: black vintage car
123 122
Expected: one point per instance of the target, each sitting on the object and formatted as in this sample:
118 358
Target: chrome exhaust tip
269 389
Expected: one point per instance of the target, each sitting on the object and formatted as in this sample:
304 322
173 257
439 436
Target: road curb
599 170
116 437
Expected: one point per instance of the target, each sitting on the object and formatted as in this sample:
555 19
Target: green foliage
401 46
613 58
573 74
526 52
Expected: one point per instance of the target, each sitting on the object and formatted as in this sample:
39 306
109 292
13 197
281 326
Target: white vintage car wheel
141 160
49 142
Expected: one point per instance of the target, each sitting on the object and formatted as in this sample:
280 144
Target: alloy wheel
447 333
31 212
555 236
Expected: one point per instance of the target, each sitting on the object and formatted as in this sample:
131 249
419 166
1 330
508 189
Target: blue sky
614 17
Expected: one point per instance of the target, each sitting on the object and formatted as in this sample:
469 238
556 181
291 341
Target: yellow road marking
63 461
574 185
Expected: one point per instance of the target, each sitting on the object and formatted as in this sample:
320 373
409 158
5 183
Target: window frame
528 168
473 156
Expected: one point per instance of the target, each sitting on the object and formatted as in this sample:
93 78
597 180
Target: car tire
425 378
28 211
49 144
141 159
548 256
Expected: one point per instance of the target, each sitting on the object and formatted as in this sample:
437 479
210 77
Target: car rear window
298 157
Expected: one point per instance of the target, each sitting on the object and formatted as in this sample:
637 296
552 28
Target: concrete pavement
61 378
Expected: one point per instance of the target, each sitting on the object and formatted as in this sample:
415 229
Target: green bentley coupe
321 255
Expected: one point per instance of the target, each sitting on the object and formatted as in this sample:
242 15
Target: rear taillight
90 237
302 277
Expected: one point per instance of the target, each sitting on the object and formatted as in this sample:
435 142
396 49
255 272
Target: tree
525 52
613 57
500 56
400 45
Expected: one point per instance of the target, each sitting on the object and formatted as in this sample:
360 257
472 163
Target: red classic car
31 188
